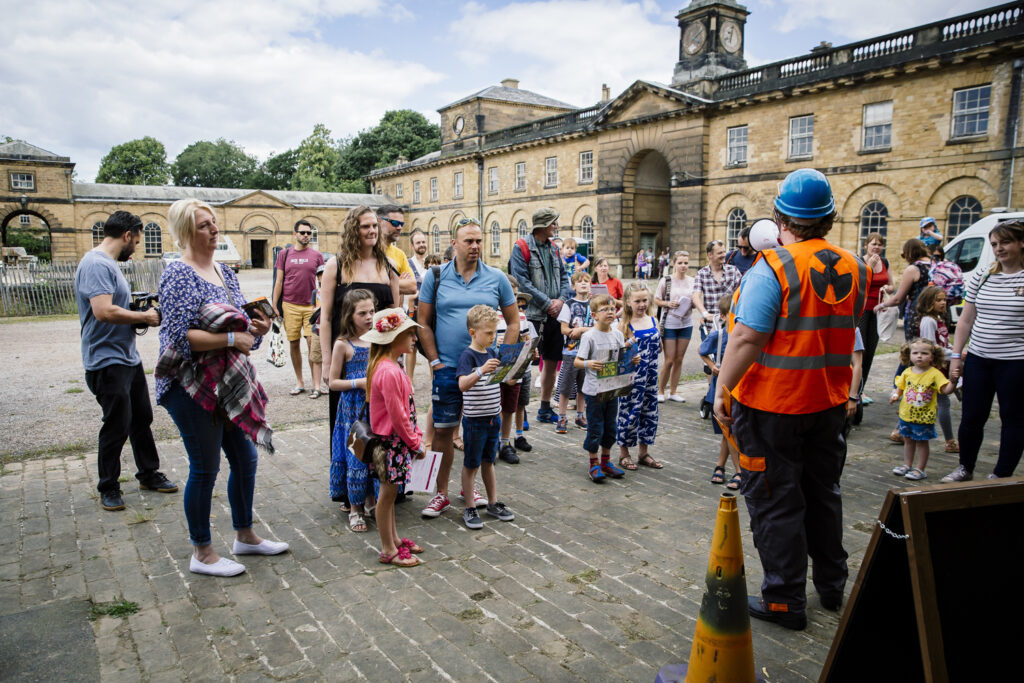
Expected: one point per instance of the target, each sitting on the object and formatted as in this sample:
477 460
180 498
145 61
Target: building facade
923 122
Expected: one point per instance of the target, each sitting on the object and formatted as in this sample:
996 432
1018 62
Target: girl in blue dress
638 412
349 477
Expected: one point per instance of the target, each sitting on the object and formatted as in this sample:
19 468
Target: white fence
49 288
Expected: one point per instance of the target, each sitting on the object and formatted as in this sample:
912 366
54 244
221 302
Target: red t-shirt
299 268
614 287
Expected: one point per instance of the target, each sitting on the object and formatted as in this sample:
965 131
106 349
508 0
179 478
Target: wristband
352 384
479 374
435 362
954 356
231 338
853 398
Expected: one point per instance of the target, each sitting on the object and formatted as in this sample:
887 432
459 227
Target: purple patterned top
182 293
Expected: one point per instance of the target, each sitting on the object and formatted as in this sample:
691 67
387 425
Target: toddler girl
931 308
918 385
638 412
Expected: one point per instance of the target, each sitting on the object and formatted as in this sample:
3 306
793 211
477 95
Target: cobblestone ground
588 583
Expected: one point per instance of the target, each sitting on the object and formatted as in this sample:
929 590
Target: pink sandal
401 558
410 546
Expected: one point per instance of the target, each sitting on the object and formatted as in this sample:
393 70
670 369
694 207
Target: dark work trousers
122 392
795 506
869 334
984 379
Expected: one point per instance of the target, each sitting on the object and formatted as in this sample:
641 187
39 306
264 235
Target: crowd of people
787 339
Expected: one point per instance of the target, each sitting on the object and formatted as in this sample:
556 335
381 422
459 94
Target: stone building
37 194
919 122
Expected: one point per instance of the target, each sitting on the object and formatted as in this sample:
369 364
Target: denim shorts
916 431
681 333
480 436
446 398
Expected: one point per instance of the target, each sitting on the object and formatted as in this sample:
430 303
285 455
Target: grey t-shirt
598 345
103 344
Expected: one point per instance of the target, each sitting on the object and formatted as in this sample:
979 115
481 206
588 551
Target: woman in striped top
993 318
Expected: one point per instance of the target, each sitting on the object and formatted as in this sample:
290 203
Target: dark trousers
601 419
122 392
794 501
869 334
984 379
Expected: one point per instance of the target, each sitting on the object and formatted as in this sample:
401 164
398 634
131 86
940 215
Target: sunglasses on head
392 221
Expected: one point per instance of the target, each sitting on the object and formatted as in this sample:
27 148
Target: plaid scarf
222 379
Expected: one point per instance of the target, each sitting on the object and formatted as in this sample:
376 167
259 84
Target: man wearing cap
930 234
295 290
788 368
539 267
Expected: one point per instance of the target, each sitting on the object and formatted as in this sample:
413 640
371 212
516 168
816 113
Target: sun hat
542 218
387 325
524 296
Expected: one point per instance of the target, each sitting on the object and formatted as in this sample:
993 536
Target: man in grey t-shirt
113 369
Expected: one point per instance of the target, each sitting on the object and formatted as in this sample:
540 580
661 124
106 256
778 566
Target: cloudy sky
81 76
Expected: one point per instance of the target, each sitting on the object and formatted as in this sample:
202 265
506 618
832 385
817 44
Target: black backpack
432 323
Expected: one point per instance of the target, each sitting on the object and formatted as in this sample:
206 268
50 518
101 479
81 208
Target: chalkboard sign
938 596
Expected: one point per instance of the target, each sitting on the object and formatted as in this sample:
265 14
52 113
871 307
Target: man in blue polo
465 282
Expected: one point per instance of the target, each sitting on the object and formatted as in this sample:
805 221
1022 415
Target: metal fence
49 288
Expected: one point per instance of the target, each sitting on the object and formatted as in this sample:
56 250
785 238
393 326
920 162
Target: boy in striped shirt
481 413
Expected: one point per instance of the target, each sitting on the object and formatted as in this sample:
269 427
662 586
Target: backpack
432 323
948 275
524 249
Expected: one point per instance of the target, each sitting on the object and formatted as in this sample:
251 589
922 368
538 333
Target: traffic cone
722 646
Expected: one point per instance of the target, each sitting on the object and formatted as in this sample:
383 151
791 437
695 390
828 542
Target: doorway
258 253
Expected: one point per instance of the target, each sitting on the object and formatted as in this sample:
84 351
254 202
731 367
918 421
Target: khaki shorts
315 356
296 320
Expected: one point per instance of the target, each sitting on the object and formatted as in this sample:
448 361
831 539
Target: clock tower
710 43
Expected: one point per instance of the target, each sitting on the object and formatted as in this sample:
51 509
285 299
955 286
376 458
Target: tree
136 162
276 172
318 159
213 164
400 133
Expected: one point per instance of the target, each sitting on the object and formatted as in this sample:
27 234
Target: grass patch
223 631
73 390
124 479
119 608
14 320
471 614
692 377
588 576
150 371
140 517
73 448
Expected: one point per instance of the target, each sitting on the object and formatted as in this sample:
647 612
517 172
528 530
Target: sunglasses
463 222
392 221
305 232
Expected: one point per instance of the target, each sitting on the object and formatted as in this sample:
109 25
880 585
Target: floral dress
638 412
397 454
348 474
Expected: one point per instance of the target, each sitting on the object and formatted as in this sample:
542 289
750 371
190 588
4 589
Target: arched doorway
29 231
646 205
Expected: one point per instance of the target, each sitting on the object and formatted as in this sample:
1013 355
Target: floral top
182 293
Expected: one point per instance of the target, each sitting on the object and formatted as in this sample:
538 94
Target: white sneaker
265 547
661 398
677 398
959 474
478 500
222 567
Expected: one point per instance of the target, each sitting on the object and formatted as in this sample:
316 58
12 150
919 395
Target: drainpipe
480 196
1014 116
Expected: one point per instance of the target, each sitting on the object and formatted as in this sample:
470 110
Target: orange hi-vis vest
805 367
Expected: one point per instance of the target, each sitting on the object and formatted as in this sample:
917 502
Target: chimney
402 159
606 94
510 83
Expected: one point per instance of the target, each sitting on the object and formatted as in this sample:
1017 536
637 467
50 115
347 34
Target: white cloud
80 77
865 18
566 49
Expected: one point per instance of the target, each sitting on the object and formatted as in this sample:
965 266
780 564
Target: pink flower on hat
389 322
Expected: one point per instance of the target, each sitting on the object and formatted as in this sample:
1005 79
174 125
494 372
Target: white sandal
355 519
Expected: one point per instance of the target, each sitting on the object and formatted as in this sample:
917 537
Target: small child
349 475
481 407
431 260
601 344
931 309
712 350
576 320
392 416
638 412
919 386
511 393
526 384
573 262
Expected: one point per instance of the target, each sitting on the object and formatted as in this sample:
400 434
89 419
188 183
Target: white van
971 251
227 254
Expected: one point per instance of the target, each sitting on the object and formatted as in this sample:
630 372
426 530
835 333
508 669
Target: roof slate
216 195
503 94
19 149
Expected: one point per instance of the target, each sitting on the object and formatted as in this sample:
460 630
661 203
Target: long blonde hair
352 244
627 307
377 353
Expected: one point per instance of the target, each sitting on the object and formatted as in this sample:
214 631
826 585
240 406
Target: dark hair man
743 255
295 288
113 368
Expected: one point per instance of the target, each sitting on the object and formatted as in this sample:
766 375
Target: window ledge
807 157
741 164
519 189
967 139
550 187
585 182
875 150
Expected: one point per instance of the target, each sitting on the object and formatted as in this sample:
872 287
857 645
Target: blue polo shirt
760 300
488 286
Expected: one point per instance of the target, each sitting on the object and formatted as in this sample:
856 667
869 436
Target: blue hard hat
805 193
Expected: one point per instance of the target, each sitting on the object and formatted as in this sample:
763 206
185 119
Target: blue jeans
601 418
204 436
480 438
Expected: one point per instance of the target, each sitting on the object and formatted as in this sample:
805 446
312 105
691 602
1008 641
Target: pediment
645 98
259 199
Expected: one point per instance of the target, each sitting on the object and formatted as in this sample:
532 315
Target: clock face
458 125
730 36
694 37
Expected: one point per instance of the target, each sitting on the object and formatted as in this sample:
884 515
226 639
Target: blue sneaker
547 415
596 474
526 424
612 471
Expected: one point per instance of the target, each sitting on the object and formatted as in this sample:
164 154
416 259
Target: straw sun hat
387 325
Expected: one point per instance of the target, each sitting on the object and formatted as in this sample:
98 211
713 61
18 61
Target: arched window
737 220
435 233
522 229
963 212
874 217
152 240
97 233
587 229
495 239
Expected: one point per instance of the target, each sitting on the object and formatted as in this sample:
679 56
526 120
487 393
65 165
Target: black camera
143 301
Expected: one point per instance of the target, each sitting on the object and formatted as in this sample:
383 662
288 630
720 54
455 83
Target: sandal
297 390
401 558
356 522
410 546
626 463
734 483
345 507
647 461
719 476
895 436
315 394
458 443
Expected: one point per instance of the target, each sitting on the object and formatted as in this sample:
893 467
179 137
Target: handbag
277 355
361 439
663 313
887 323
